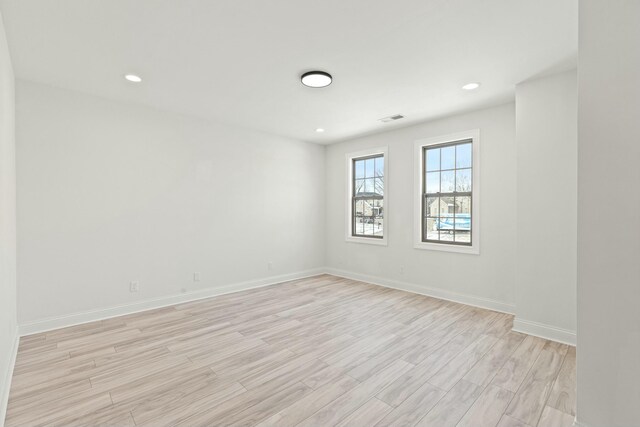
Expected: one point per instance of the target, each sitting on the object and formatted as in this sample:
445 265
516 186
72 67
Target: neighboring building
370 207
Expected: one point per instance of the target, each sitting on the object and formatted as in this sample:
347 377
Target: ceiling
239 62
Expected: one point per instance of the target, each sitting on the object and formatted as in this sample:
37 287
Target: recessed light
133 78
319 130
316 79
471 86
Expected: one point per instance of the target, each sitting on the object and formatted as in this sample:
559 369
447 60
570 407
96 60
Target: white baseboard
6 384
519 325
425 290
51 323
531 328
548 332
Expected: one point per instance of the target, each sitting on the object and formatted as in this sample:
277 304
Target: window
366 216
447 192
447 188
367 199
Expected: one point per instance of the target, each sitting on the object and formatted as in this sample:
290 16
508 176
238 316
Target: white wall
609 234
546 134
8 326
109 193
486 279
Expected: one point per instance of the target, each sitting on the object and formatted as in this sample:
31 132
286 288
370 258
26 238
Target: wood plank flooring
323 351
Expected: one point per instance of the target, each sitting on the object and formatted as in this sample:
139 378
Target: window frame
419 183
349 192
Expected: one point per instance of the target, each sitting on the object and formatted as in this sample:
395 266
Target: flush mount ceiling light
316 79
319 130
471 86
133 78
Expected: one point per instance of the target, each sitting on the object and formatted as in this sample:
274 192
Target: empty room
286 213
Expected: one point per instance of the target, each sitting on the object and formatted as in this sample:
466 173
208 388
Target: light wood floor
316 352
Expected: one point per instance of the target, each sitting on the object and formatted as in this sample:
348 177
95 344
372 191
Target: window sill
367 240
443 247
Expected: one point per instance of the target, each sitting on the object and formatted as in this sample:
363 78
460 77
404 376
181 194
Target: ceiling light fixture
319 130
471 86
133 78
316 79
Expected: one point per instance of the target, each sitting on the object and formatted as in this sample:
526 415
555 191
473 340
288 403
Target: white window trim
419 145
349 158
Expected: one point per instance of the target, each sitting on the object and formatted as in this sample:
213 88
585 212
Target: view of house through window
368 196
447 193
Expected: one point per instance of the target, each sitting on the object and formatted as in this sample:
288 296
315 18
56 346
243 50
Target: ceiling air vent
392 118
